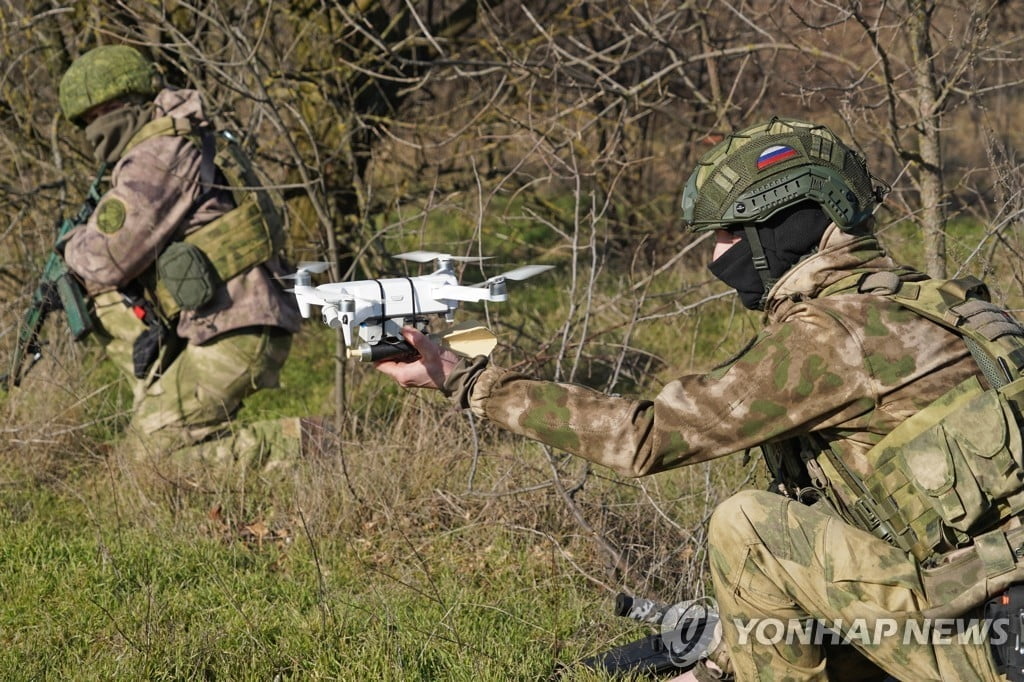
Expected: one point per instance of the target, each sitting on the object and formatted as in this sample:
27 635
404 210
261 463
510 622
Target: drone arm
493 291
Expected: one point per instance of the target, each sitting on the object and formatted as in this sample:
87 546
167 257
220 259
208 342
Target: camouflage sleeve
153 189
798 376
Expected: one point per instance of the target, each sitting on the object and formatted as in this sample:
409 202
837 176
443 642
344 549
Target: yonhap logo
690 629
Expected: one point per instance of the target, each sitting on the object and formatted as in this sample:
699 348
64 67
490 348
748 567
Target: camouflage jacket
845 365
152 201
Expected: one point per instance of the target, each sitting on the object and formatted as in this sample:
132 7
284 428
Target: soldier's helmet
753 174
104 74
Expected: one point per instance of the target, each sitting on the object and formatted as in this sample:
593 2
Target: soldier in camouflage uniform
868 529
192 364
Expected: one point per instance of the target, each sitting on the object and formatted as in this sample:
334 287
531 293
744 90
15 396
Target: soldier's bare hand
429 370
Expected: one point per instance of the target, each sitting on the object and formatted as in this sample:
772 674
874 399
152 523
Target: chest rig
955 470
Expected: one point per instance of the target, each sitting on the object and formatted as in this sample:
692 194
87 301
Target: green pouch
969 460
187 274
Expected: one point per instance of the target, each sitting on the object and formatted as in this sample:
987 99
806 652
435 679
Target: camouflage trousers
182 412
778 566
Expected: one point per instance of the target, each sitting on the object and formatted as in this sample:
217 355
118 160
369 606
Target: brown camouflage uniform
234 345
845 365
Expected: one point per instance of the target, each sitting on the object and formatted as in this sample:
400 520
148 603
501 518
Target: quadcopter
375 310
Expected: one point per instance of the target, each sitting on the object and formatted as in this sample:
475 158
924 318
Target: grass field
431 548
91 593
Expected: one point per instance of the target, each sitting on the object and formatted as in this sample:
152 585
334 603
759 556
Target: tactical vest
955 470
249 234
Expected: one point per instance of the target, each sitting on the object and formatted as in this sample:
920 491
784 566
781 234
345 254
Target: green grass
91 593
409 556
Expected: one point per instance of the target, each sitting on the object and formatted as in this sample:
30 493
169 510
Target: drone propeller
427 256
525 272
519 274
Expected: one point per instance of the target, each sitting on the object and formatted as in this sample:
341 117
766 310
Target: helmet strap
760 259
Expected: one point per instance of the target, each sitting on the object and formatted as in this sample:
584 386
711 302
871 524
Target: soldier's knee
738 515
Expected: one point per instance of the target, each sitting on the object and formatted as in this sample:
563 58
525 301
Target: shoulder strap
207 166
993 336
221 151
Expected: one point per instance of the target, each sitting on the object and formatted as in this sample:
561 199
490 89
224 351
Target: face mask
786 239
110 133
735 267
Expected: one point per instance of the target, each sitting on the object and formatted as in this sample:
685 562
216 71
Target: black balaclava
785 238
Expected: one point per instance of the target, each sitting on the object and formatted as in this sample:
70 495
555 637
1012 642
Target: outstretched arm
780 386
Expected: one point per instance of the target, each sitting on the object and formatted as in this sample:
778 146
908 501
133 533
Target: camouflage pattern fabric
201 387
117 328
756 172
154 190
182 412
205 385
774 560
847 366
267 450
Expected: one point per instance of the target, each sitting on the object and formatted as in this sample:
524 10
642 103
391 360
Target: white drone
375 310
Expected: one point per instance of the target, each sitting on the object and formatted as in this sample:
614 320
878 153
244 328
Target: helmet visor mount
757 172
815 183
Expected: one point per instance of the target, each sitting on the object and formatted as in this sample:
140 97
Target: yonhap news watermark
929 631
690 630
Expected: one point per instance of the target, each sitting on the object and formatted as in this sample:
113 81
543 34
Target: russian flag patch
775 154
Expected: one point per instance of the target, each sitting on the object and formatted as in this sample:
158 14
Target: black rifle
57 289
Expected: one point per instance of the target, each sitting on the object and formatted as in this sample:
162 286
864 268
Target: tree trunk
929 162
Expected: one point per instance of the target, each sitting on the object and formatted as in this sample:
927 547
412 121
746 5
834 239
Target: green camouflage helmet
103 74
755 173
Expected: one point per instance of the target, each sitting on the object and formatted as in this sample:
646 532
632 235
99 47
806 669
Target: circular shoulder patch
110 216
